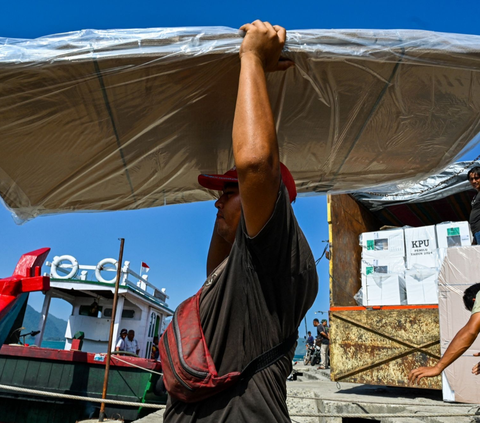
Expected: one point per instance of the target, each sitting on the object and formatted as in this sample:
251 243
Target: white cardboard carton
453 234
421 247
384 289
422 286
383 243
382 265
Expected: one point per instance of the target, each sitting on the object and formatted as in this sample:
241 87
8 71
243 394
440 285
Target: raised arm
218 251
460 343
255 145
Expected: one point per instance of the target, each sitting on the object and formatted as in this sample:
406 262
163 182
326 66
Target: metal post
101 416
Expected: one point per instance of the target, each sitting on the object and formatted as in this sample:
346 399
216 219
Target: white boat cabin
90 290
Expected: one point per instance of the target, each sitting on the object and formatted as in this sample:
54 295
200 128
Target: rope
80 398
159 407
378 402
134 365
324 251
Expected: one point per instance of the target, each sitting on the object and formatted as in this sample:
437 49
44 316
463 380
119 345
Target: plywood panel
347 220
381 347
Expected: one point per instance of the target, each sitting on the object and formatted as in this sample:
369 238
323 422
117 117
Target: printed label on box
383 243
421 247
453 231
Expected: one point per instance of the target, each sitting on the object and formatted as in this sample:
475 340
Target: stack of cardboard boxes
400 266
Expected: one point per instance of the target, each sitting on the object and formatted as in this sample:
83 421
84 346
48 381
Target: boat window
126 314
88 310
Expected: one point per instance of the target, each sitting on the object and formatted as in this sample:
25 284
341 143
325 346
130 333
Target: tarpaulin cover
452 180
125 119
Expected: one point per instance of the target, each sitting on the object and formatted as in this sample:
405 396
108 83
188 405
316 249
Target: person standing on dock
324 344
310 339
261 272
316 324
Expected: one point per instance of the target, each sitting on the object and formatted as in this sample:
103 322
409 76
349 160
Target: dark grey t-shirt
475 214
250 304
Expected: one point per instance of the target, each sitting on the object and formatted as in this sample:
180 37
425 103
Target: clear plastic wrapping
126 119
451 180
401 266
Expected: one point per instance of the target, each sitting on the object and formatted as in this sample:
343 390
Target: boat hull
74 373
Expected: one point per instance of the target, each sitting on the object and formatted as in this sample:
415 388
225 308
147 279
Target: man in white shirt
131 344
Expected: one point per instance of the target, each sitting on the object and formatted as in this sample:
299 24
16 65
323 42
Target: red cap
217 182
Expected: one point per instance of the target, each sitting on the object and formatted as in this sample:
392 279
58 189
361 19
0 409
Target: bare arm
255 145
460 343
218 251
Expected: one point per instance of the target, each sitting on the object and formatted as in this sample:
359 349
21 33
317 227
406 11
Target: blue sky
174 240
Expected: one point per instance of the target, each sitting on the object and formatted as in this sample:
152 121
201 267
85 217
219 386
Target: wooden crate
374 345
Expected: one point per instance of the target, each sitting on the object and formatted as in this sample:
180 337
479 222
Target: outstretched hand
265 42
476 368
417 374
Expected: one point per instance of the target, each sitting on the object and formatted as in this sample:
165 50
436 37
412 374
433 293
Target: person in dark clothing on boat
474 220
93 311
155 352
261 272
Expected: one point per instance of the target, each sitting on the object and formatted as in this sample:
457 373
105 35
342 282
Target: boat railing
67 268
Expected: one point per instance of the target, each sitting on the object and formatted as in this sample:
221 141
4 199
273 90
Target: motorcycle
308 354
316 356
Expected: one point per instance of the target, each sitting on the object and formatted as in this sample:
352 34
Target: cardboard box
459 271
383 243
453 234
383 265
422 286
421 247
384 289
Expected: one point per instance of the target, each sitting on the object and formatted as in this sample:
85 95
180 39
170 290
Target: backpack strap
269 357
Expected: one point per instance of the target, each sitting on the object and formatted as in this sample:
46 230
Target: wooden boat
14 290
79 368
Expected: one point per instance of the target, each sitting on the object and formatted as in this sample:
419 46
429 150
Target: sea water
57 345
300 350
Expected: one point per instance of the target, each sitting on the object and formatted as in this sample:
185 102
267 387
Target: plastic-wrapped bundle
125 119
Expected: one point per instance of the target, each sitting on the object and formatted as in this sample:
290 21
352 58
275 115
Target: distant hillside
55 329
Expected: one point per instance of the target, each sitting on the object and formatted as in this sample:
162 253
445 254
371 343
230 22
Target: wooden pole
101 416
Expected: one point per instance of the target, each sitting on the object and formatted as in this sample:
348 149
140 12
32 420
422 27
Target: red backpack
189 373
